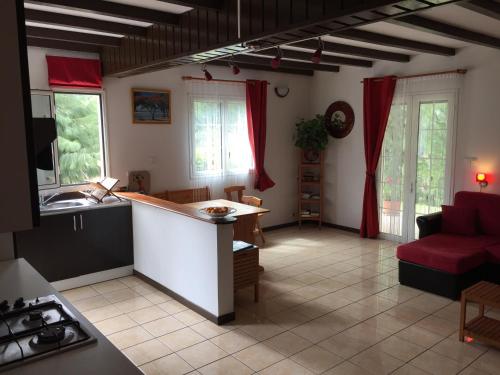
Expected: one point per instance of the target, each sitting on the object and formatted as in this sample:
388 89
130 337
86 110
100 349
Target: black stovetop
36 328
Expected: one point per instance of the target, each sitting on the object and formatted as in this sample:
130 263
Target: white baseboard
92 278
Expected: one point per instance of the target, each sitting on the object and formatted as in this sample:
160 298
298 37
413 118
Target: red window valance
74 72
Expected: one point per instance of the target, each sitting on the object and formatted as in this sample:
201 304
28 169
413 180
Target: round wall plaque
281 92
339 119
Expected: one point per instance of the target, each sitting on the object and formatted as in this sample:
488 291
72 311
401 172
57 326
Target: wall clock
281 92
339 119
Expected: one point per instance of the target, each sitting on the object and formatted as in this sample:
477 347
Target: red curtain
377 100
74 72
256 117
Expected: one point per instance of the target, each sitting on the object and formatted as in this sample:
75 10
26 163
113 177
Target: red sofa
456 248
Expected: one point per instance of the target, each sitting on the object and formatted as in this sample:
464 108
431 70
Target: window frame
221 100
103 134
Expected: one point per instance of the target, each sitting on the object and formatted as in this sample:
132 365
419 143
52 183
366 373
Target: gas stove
36 328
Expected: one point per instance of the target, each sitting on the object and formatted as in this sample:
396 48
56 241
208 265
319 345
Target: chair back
231 189
251 201
161 195
189 195
244 228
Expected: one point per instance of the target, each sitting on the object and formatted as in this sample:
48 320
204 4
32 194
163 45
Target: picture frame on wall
151 106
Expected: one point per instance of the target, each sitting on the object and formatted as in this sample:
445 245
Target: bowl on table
218 212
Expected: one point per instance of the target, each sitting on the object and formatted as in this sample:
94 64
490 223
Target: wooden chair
231 189
246 267
244 228
256 202
186 195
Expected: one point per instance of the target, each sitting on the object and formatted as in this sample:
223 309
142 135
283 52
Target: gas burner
35 318
51 335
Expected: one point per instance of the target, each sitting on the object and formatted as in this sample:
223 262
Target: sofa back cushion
459 220
488 209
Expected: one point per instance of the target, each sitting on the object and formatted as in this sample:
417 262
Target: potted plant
311 137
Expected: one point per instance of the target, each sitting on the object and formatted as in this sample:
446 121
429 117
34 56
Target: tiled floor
330 304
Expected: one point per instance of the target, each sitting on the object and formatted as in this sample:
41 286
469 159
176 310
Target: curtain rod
458 71
190 78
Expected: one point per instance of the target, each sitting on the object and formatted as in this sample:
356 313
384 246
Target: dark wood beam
264 68
488 8
211 4
108 8
447 30
50 18
69 36
306 57
353 50
61 44
393 41
265 61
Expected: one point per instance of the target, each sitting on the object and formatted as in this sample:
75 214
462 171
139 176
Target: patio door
414 176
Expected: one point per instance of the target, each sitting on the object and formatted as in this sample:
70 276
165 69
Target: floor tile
102 313
288 343
115 324
181 339
169 365
488 362
286 367
172 307
146 352
436 364
376 362
129 337
399 348
133 304
202 354
462 352
189 317
316 359
120 295
209 330
90 303
419 336
233 341
79 293
346 368
258 357
226 366
109 286
161 327
147 314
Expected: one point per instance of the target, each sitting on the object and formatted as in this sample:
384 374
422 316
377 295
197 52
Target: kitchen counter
18 278
108 202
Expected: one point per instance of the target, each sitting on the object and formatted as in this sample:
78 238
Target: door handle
74 223
411 187
81 221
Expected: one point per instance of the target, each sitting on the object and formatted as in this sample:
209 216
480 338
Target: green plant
311 134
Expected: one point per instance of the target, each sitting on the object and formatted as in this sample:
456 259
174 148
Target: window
79 137
219 136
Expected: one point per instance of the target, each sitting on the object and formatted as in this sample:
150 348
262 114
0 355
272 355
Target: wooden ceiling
133 39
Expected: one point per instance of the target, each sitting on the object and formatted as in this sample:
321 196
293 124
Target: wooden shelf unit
315 187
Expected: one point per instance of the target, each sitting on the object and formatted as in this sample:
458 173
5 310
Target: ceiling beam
64 45
108 8
392 41
58 19
210 4
306 57
70 36
265 61
353 50
488 8
265 68
447 30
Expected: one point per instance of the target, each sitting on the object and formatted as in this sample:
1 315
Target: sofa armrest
429 224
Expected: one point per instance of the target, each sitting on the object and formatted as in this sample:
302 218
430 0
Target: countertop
108 202
18 278
181 209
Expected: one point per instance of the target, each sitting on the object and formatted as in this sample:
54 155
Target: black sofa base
439 282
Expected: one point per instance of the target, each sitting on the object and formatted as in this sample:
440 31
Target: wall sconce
481 179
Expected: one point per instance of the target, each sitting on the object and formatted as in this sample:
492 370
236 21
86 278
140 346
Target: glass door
414 173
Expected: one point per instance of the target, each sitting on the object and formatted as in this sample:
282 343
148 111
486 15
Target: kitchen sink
65 204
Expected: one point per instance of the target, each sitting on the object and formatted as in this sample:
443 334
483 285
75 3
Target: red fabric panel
74 72
488 208
257 123
377 101
459 220
493 253
447 252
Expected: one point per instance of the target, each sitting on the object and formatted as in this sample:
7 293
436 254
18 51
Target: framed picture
151 106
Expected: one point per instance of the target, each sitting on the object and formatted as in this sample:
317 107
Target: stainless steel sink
66 204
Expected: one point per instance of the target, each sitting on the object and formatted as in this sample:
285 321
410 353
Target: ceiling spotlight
234 67
316 57
208 76
276 61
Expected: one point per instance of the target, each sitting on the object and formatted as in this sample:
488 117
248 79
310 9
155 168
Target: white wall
478 128
164 149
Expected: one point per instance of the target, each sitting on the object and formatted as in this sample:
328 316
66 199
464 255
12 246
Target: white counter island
184 253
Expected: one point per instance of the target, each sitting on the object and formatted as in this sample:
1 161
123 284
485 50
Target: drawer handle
81 221
74 223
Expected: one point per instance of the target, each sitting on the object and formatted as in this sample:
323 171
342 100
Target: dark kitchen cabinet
74 244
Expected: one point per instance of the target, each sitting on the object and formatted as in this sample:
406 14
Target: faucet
44 201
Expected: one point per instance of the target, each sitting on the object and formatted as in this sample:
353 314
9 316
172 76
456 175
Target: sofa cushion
459 220
488 209
447 252
493 253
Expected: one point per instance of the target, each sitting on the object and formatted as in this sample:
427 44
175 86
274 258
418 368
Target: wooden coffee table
482 328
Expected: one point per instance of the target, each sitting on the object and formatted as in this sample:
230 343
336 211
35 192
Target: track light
276 62
234 67
316 57
208 76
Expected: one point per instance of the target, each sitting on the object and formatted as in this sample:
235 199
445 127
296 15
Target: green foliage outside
311 134
78 127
